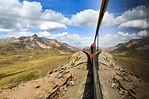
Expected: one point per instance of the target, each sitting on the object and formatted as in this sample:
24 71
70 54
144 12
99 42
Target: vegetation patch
138 65
25 65
19 78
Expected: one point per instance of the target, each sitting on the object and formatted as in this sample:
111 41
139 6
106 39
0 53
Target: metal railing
94 54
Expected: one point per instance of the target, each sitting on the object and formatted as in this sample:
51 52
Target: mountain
139 46
39 43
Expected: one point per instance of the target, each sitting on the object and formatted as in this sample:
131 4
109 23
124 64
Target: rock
1 91
113 85
122 91
74 78
59 76
37 93
61 73
65 88
71 83
21 84
37 86
13 88
124 76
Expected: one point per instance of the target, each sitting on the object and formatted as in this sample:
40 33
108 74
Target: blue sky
74 21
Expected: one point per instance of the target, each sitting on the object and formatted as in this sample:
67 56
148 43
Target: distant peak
35 35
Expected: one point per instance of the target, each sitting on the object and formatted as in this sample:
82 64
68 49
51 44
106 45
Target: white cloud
5 30
19 34
121 37
135 18
85 18
30 10
50 15
106 41
139 12
143 33
72 39
88 18
135 24
17 15
44 34
49 26
108 19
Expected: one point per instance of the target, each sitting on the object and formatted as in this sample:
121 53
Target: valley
138 65
15 69
28 58
34 67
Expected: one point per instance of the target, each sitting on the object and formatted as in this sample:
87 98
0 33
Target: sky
74 21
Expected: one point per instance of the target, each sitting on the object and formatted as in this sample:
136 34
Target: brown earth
73 81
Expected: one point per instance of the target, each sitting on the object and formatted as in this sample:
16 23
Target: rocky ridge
35 42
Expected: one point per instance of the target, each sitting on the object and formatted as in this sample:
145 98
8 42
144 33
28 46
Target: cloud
88 18
17 15
108 19
72 39
135 24
5 30
139 12
44 34
85 18
135 18
120 37
30 10
50 15
49 26
143 33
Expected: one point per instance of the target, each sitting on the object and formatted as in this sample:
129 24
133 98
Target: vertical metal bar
97 87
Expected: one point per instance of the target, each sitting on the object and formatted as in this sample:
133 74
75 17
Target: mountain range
35 42
139 46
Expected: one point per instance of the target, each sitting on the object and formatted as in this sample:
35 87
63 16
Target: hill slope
133 47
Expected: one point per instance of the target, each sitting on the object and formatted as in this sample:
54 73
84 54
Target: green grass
16 79
136 64
26 65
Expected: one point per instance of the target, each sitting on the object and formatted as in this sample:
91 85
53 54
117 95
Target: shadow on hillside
89 89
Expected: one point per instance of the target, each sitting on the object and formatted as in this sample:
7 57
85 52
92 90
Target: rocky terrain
69 81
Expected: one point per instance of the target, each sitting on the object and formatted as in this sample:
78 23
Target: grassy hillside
20 65
137 64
